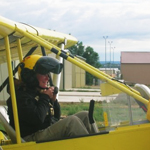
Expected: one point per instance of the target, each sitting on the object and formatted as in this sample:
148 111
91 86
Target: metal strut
95 73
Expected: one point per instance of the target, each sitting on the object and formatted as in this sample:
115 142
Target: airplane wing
7 27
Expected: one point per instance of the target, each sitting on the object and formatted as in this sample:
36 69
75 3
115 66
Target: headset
34 64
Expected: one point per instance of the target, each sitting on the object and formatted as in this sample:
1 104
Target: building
72 76
135 67
111 71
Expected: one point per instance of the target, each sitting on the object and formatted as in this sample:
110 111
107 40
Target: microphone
55 90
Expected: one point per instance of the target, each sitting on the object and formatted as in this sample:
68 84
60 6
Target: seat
4 121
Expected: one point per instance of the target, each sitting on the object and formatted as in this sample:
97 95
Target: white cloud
126 22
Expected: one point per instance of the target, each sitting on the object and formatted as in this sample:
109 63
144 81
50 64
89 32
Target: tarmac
79 96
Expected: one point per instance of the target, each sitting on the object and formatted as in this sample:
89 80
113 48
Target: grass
117 111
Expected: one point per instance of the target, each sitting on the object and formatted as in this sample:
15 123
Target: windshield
121 109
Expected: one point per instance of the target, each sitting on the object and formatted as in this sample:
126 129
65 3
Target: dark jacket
34 111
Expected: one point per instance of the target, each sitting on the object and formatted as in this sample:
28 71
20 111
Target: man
38 108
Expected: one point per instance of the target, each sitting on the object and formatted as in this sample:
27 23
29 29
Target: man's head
34 65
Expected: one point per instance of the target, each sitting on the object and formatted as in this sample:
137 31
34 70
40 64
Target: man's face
43 80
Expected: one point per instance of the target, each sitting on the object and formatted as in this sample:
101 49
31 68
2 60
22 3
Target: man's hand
50 93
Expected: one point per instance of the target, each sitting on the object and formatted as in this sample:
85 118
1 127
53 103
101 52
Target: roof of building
135 57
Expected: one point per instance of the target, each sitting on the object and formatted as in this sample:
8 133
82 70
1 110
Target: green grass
116 111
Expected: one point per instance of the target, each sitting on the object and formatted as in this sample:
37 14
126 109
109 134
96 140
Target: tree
91 57
77 49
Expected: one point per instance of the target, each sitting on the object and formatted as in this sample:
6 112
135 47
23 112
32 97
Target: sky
125 23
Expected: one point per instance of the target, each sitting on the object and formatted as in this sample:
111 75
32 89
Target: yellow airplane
18 40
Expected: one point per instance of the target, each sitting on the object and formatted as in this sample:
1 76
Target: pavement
76 96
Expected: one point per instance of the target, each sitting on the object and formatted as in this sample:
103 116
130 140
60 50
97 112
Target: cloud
126 22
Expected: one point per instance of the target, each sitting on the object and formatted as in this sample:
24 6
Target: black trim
66 53
43 51
63 55
71 55
54 51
